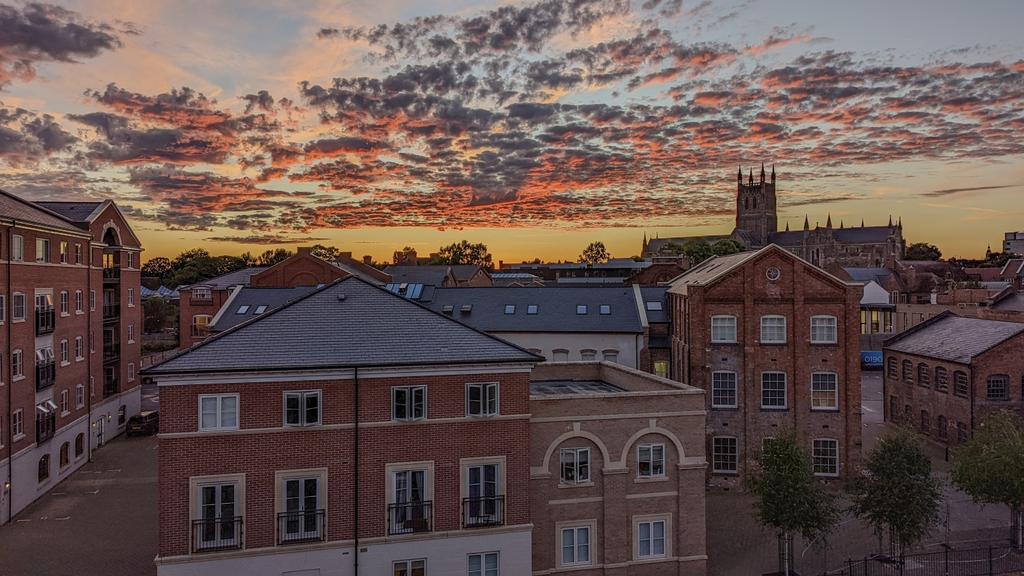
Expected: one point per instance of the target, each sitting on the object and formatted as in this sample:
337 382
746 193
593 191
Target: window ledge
589 484
725 473
726 408
18 378
64 363
813 343
825 410
649 479
774 408
773 343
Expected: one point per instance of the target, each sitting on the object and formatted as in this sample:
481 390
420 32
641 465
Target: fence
980 561
158 357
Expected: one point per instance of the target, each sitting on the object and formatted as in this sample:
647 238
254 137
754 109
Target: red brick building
70 334
617 472
943 376
350 427
774 342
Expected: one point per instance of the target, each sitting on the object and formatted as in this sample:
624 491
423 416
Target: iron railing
485 511
979 561
410 517
301 526
212 534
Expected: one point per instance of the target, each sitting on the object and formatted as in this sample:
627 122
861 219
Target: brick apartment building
617 472
348 427
70 326
202 302
943 376
774 341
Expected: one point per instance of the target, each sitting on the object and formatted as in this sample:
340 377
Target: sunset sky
535 127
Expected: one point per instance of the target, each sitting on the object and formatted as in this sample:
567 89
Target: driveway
100 521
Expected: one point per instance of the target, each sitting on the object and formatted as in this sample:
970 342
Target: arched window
65 454
941 379
960 383
926 423
942 428
892 369
908 371
44 467
79 444
560 355
588 355
924 374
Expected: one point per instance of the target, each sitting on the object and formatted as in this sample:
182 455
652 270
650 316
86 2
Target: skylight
466 308
510 308
581 308
531 309
260 309
653 306
242 309
606 309
447 308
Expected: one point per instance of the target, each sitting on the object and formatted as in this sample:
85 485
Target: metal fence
978 561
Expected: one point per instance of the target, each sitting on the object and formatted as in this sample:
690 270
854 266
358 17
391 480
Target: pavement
101 521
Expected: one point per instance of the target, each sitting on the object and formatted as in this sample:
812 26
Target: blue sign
871 360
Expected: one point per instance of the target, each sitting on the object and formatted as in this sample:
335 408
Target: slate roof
73 211
852 235
789 238
559 387
556 308
229 280
430 275
710 269
15 208
1010 303
344 324
253 298
464 272
953 338
656 294
1013 267
879 275
364 271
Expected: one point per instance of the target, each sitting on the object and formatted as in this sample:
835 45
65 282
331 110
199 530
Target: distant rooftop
229 280
74 211
953 338
553 387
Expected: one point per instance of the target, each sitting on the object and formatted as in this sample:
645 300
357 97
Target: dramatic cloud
26 137
38 33
950 191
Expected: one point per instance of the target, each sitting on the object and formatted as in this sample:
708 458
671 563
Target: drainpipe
89 342
10 385
355 467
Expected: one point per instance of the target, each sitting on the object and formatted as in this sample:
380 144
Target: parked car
144 423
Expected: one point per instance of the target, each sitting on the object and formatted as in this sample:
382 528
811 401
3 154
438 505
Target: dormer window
448 309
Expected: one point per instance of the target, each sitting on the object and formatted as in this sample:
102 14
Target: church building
757 225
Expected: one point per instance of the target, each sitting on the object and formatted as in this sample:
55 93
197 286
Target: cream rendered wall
626 343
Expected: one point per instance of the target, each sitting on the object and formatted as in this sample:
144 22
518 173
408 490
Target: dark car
144 423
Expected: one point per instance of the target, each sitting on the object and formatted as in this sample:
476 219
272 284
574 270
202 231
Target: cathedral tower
756 216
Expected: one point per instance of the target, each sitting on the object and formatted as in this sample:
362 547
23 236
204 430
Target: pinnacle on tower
841 224
807 223
762 172
787 226
751 176
773 173
739 174
829 223
861 222
890 220
900 223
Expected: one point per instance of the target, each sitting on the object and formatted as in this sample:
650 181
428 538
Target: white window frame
302 395
735 388
79 349
719 318
78 253
3 308
835 391
202 293
772 338
131 297
571 457
42 250
410 406
408 566
487 390
281 480
92 300
815 457
651 521
79 396
131 371
79 302
575 528
65 352
17 425
63 248
196 483
65 402
14 307
483 571
17 364
736 457
651 449
785 391
131 333
834 328
18 248
219 426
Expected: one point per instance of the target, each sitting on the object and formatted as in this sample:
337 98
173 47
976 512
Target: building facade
349 431
1013 242
70 332
757 225
945 375
617 472
774 341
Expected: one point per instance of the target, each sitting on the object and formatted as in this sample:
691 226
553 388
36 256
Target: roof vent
466 308
341 297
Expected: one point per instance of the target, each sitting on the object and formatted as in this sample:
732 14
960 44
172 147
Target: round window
773 273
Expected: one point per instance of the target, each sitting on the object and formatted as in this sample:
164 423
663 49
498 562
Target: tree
726 247
923 251
789 499
990 467
328 253
158 267
897 493
271 257
594 252
697 251
464 253
406 255
158 314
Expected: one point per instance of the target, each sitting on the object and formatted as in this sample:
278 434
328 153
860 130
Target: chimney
346 255
367 259
304 250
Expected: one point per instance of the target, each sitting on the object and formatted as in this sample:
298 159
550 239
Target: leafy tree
897 494
158 267
594 252
697 251
789 499
271 257
990 466
189 256
328 253
464 253
404 255
158 314
726 247
923 251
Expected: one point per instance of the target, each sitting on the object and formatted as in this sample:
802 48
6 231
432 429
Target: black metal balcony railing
109 386
44 320
111 311
488 511
410 517
46 425
200 331
46 373
301 526
111 352
211 534
111 273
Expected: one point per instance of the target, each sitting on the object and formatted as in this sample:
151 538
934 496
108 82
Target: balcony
111 274
200 331
46 375
301 526
44 320
212 534
46 424
111 312
111 351
409 517
109 385
480 512
201 300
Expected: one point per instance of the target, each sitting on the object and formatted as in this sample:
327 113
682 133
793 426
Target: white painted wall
574 342
874 294
445 554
